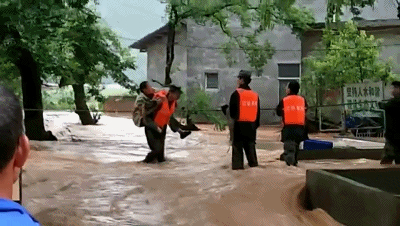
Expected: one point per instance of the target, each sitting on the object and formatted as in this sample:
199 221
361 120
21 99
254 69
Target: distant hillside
114 90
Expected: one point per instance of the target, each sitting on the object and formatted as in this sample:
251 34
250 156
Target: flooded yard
92 176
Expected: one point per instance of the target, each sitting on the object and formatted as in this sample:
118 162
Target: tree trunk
316 104
81 107
170 52
344 127
32 97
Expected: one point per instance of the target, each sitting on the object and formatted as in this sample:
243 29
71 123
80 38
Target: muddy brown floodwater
92 176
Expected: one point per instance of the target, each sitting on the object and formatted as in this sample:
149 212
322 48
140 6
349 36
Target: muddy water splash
148 197
114 201
112 140
194 187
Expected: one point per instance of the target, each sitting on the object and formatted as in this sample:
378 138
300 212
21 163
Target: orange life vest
165 112
248 105
294 110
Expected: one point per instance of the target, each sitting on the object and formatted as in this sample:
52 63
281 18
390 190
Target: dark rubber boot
385 161
185 134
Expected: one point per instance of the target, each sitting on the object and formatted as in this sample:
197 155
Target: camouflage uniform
143 111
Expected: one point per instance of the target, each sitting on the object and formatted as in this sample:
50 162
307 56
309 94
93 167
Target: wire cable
206 110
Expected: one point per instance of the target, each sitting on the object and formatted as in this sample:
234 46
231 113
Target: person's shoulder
234 95
160 93
15 218
140 97
395 100
236 91
293 96
392 102
12 213
255 92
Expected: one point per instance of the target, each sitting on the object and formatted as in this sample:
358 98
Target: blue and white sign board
361 92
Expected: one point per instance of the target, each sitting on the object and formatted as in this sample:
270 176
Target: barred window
287 73
212 80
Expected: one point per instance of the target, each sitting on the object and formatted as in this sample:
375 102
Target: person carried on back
145 104
154 110
148 101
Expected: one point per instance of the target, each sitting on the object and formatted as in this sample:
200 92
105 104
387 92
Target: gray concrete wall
383 9
390 46
204 56
350 202
156 59
376 178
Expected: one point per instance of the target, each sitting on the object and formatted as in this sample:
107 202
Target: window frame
206 80
287 78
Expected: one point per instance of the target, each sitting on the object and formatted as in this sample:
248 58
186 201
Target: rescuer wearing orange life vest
162 117
244 107
293 109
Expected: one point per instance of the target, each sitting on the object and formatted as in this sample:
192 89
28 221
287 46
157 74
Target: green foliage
335 8
59 99
68 43
63 99
348 56
34 24
9 76
200 105
92 51
256 17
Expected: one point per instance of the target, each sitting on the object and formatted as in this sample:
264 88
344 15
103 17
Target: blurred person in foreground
244 109
14 151
391 151
292 109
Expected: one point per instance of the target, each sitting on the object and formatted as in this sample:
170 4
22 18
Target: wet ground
92 176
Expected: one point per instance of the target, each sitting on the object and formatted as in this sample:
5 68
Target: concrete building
199 62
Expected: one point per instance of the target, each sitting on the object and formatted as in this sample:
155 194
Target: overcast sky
132 20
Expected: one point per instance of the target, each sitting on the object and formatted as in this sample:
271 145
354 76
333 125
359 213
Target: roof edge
142 43
363 24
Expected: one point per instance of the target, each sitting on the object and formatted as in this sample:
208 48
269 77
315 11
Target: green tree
200 105
9 74
58 40
58 99
91 51
24 26
335 8
348 55
255 18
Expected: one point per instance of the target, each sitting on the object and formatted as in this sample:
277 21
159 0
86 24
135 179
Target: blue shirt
12 213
